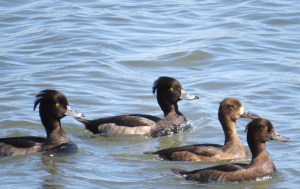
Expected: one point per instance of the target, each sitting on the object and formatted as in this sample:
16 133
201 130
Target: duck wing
150 117
219 173
20 145
197 152
125 124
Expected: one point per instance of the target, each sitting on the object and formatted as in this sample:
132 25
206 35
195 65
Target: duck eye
265 128
57 104
171 88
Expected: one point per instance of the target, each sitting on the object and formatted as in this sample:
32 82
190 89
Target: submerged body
261 165
53 106
230 110
169 92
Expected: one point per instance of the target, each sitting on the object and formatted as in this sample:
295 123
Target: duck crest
168 92
50 96
53 106
163 82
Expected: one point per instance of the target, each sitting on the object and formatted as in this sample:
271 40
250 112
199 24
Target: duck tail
148 152
91 125
81 120
179 171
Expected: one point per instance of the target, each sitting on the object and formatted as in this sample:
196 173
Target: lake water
105 56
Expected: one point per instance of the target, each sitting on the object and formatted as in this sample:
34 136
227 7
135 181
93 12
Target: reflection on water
173 129
54 174
62 150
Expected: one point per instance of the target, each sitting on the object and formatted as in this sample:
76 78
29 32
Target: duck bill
71 112
185 96
277 136
246 114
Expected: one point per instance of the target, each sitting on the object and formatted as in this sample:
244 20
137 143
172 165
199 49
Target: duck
261 166
53 106
230 110
168 92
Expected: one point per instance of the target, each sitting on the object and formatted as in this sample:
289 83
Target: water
105 56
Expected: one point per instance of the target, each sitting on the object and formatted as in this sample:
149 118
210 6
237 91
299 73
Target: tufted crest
50 96
164 82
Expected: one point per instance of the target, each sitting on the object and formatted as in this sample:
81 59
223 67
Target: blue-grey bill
247 114
185 96
277 136
71 112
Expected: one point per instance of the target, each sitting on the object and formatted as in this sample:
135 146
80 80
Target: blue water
105 56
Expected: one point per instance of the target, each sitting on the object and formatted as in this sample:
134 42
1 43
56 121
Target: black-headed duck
169 91
230 110
260 167
53 106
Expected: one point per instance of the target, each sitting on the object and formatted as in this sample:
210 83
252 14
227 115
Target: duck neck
55 135
169 108
229 128
261 162
261 158
257 148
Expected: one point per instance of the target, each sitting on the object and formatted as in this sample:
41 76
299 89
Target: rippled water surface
105 56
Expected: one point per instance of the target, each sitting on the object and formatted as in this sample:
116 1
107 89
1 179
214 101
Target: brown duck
230 110
53 106
169 91
260 167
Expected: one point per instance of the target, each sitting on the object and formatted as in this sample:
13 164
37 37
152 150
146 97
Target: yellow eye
265 128
57 104
235 107
171 88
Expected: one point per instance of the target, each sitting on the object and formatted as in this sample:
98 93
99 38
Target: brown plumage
169 91
53 106
230 110
260 167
